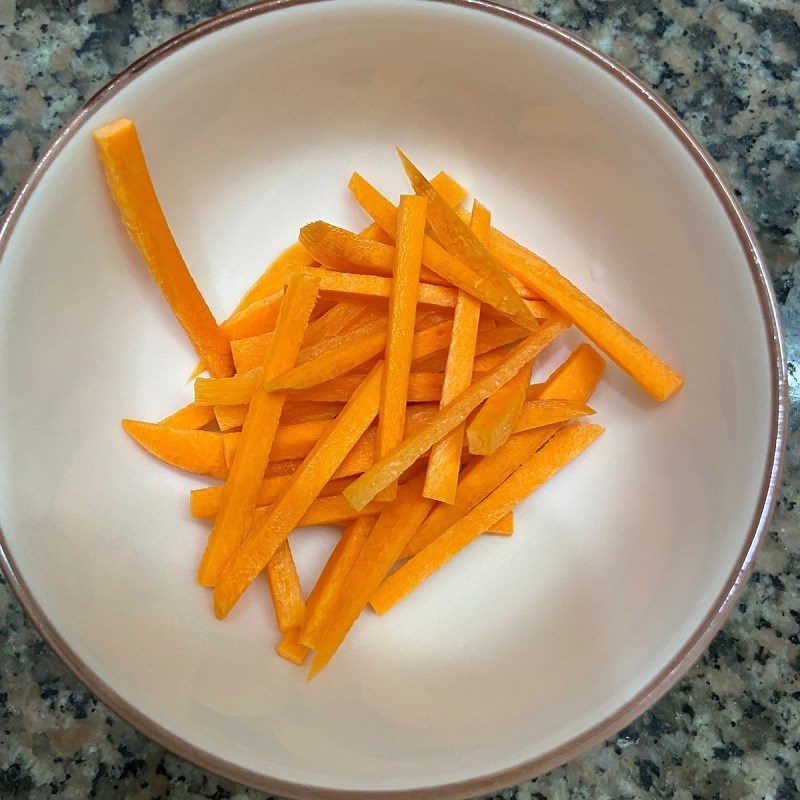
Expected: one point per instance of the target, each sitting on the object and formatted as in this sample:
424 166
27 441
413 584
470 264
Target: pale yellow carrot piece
562 448
129 180
402 315
378 554
380 475
498 416
325 595
285 589
258 433
316 470
445 458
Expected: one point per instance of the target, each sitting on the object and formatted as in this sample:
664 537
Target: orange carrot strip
129 180
316 470
658 379
493 292
478 479
196 451
231 418
259 432
284 586
456 237
504 526
562 448
204 503
192 417
332 322
335 510
380 475
378 554
402 314
498 416
290 648
341 360
231 391
491 338
576 378
538 413
257 318
325 595
445 458
422 387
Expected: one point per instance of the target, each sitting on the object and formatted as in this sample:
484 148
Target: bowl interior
519 644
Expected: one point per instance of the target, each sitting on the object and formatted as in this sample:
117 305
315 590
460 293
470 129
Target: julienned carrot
192 417
364 489
491 339
538 413
539 468
290 648
455 236
341 360
325 595
231 391
258 433
316 470
576 378
402 316
422 387
498 416
445 458
488 289
333 322
193 450
378 554
129 180
204 503
656 377
257 318
284 586
504 526
477 480
231 418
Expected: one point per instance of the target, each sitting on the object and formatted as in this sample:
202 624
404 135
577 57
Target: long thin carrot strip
492 291
290 648
456 237
325 595
422 387
444 463
562 448
498 416
284 586
538 413
364 489
129 180
196 451
230 391
258 434
192 417
316 470
402 315
492 339
378 554
204 503
477 480
257 318
504 526
576 378
658 379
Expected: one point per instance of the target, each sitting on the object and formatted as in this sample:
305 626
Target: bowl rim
723 603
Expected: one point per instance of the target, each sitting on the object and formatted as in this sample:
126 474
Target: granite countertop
731 728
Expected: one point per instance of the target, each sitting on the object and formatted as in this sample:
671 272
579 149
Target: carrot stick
231 418
490 289
290 648
231 391
562 448
204 503
380 475
402 315
576 378
129 180
456 238
538 413
504 526
258 434
284 586
422 387
316 470
378 554
325 595
648 370
196 451
257 318
479 478
498 416
491 340
445 458
192 417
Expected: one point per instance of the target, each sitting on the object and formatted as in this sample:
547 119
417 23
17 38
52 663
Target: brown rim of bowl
723 603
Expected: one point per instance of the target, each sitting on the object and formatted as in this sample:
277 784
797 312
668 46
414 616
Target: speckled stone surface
731 728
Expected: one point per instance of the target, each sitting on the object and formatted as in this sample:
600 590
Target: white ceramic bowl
523 652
